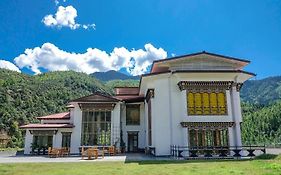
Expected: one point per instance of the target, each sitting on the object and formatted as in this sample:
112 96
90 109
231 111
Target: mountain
113 75
264 91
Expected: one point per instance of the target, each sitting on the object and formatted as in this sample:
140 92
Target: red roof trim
47 126
58 116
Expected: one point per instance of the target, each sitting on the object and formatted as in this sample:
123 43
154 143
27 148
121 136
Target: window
96 128
43 140
208 138
66 139
132 114
206 103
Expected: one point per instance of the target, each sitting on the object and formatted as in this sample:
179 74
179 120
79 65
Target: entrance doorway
133 141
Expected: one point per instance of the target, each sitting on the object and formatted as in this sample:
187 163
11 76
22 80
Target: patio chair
111 151
53 152
64 151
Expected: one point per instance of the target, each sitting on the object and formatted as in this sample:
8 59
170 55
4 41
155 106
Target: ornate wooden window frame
208 87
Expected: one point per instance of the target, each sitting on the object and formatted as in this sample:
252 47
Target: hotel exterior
191 100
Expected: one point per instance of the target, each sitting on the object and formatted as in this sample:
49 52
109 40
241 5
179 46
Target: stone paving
42 159
11 157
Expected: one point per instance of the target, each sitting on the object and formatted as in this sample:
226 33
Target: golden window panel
214 103
198 103
190 97
221 103
206 103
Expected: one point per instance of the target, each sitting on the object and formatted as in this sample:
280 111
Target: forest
24 97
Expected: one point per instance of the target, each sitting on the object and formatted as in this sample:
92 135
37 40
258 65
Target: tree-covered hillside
265 91
24 97
261 124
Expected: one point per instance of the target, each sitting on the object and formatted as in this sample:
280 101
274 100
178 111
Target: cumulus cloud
65 17
57 2
50 57
8 65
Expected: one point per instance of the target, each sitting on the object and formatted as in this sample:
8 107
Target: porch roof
55 125
131 98
96 97
58 116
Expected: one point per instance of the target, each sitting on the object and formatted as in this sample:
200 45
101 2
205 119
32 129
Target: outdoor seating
109 150
58 152
53 152
64 151
96 151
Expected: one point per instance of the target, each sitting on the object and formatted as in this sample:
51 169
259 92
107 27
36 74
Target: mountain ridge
113 75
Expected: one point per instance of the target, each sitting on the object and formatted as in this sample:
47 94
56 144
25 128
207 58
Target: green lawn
249 167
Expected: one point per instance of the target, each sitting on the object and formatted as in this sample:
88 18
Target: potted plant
33 147
122 146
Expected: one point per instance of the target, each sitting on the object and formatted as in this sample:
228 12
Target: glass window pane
95 131
132 115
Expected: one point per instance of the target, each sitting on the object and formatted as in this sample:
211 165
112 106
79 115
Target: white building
191 100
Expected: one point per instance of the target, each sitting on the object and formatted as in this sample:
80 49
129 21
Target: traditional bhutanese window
208 138
206 103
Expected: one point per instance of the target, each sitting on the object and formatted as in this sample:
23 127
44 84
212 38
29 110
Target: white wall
169 108
76 132
27 142
141 129
115 125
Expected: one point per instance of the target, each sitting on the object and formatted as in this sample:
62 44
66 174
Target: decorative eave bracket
149 94
208 85
207 125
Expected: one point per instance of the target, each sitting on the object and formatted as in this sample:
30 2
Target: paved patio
42 159
11 157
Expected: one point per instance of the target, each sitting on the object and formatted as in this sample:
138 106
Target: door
133 141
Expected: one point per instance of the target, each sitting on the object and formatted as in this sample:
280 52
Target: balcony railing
216 151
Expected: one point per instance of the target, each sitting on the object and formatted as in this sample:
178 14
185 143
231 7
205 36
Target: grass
216 167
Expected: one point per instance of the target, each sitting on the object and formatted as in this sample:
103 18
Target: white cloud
57 2
65 17
50 57
8 65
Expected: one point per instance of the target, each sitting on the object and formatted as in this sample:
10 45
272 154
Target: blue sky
244 29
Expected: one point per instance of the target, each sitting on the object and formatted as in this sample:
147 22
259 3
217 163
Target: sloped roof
131 98
58 116
96 97
126 91
155 68
63 125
